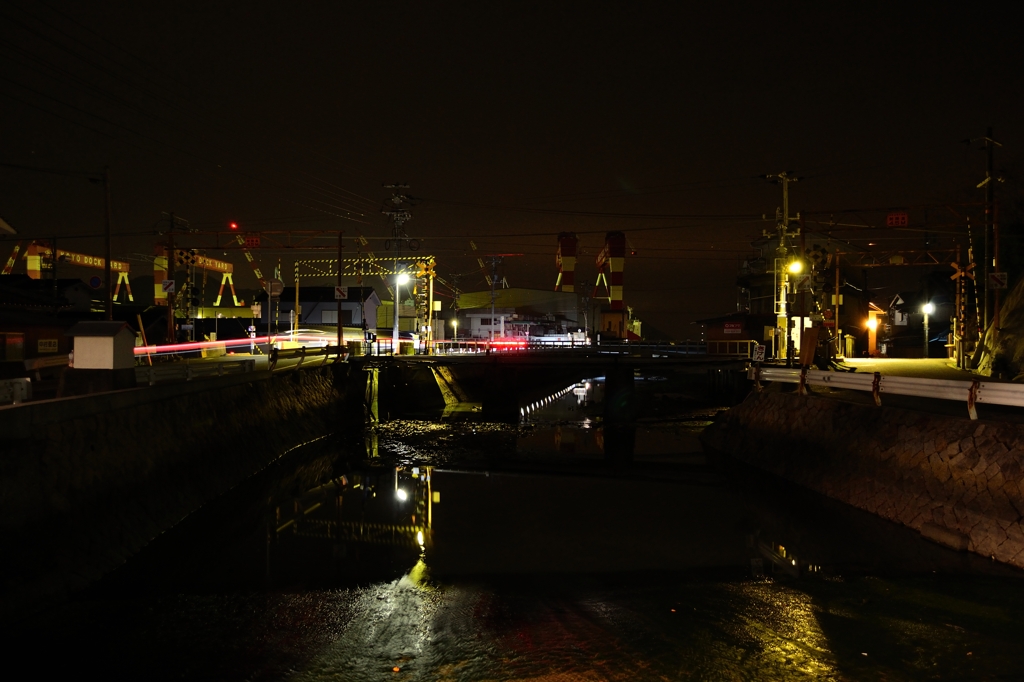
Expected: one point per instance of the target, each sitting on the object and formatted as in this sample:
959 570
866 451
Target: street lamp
455 324
927 309
795 267
401 280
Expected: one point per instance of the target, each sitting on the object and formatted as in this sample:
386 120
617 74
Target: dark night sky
281 116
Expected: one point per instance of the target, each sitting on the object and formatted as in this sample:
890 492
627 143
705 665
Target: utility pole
399 216
782 284
340 265
109 303
171 262
991 260
494 295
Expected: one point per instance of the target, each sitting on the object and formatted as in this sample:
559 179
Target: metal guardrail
971 392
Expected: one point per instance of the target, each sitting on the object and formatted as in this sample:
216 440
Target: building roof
97 328
540 301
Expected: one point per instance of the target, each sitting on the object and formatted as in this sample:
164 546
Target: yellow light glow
796 267
872 323
419 537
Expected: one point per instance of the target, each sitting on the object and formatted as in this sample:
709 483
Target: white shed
103 345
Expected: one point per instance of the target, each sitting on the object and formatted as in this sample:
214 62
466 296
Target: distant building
319 307
40 311
518 313
21 292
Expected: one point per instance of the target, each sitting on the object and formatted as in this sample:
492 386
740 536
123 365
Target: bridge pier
619 394
501 400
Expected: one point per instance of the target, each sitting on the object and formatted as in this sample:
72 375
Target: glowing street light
927 309
400 280
796 267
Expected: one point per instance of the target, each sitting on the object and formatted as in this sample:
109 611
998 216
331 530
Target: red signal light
233 226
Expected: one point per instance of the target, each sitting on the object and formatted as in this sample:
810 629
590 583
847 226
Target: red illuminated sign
897 219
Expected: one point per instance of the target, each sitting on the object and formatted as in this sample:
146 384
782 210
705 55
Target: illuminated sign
897 219
46 345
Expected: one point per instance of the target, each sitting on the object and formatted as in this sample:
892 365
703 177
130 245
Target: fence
743 348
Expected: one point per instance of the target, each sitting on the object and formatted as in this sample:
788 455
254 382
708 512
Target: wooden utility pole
109 303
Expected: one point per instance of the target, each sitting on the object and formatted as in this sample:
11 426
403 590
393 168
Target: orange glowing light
233 226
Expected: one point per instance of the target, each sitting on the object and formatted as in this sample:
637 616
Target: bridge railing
744 348
187 371
471 346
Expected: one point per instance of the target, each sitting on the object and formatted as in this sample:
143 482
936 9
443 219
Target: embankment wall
957 481
86 482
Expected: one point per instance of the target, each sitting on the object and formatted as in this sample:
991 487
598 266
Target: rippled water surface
559 549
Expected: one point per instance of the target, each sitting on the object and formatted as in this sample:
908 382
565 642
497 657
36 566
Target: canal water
447 548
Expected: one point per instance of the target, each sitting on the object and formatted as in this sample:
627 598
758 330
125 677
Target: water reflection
645 569
372 519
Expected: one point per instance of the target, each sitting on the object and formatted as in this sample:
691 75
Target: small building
103 345
740 332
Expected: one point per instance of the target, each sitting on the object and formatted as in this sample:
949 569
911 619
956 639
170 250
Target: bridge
505 380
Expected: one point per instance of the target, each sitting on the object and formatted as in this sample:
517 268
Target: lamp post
455 324
400 280
927 309
795 267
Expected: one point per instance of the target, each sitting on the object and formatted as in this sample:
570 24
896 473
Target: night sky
510 122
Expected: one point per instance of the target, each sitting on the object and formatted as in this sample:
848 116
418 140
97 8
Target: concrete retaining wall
86 482
957 481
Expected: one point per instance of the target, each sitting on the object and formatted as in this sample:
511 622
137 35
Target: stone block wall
957 481
86 482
